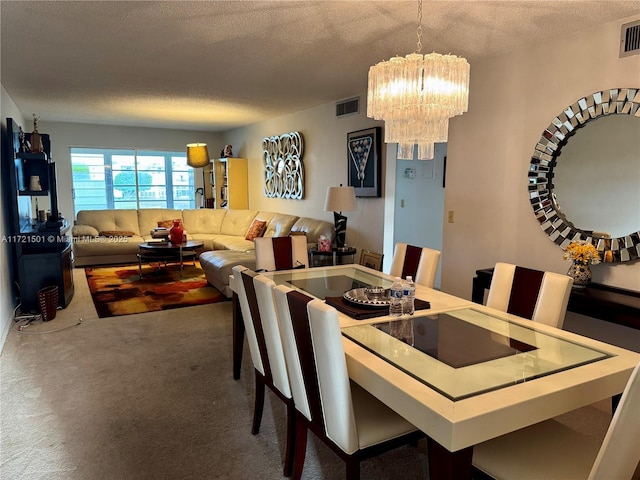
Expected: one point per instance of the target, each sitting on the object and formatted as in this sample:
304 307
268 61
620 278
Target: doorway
419 201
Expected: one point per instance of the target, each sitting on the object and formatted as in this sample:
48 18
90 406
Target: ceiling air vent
630 39
348 107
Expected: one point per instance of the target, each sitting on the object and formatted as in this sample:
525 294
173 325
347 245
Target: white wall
66 135
512 100
7 300
325 164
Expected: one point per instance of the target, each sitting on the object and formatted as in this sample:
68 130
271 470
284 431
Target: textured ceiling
215 65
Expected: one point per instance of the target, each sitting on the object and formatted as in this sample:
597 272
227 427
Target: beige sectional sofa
103 237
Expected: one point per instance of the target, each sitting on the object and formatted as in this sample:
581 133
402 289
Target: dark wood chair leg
353 468
238 336
259 403
291 439
615 400
300 448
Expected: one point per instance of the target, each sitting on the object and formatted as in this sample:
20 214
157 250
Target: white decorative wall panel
283 169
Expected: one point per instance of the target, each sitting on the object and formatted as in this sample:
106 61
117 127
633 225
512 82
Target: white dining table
468 373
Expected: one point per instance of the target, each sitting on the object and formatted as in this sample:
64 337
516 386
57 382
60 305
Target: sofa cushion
218 265
278 224
256 229
148 218
105 220
84 231
205 238
237 222
86 247
314 228
203 220
232 242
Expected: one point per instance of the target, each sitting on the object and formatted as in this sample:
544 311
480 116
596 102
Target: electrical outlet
450 216
402 203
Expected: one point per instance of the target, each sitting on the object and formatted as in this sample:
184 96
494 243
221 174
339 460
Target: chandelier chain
419 28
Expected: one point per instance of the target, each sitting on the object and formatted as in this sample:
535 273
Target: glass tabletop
329 282
468 352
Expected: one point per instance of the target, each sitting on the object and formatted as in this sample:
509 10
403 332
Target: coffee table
168 252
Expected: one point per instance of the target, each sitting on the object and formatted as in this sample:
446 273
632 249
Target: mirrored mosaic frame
618 101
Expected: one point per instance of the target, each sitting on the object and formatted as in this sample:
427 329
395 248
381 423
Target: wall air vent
630 39
348 107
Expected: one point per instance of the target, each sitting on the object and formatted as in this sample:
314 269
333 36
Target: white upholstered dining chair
533 294
281 253
552 451
349 420
266 352
419 262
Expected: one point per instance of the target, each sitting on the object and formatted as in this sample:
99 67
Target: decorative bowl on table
358 296
375 293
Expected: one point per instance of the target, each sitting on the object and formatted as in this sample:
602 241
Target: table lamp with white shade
340 199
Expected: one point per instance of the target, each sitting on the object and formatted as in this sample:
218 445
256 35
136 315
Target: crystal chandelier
416 96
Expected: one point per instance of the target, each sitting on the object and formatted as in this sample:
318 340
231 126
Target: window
121 178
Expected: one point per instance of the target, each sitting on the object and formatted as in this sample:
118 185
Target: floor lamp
340 199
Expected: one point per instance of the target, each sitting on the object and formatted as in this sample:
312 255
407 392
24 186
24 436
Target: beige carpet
145 397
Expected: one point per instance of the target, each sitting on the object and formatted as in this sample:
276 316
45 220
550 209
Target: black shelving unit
41 252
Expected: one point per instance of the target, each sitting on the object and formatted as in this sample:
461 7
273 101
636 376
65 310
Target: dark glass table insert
458 343
323 287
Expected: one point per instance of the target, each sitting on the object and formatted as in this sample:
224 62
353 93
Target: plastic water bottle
409 296
395 298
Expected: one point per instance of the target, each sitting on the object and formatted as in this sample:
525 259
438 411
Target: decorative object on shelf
197 155
580 273
176 234
553 149
36 140
365 168
227 151
582 254
340 199
24 145
283 168
34 183
416 95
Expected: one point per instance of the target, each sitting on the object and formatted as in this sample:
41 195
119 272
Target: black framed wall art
365 166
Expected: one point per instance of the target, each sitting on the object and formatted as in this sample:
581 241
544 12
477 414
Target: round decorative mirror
584 176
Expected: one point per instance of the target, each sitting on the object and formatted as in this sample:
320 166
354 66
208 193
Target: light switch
402 203
450 216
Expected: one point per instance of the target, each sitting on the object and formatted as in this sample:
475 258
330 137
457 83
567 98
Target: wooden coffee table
168 252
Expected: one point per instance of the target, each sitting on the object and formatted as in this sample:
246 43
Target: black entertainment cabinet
41 249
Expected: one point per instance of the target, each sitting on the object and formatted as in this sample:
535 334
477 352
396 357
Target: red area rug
120 291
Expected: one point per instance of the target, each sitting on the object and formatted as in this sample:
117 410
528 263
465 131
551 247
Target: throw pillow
165 223
84 231
256 229
116 233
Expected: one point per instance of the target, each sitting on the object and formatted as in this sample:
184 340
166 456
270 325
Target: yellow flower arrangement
582 252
